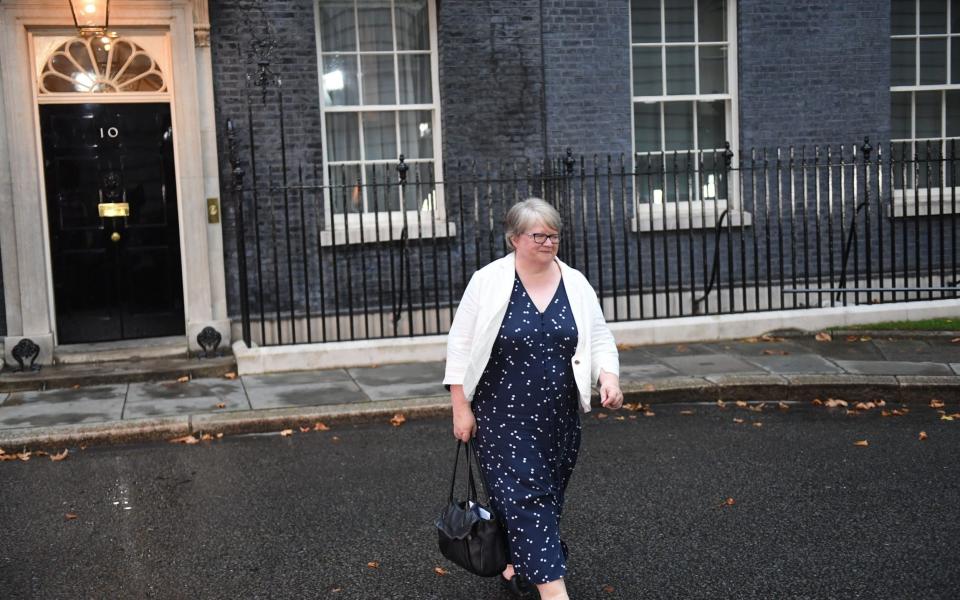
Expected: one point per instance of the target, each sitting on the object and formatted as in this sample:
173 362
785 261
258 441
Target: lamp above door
91 17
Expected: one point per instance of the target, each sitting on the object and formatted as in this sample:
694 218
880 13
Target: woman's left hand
610 394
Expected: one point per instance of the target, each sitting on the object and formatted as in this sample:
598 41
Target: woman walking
526 346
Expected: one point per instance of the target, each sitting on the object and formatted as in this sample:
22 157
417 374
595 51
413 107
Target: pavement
912 367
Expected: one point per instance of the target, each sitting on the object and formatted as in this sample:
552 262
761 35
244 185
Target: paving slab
955 367
794 363
907 350
196 396
666 350
636 356
710 364
645 372
65 406
306 388
944 350
758 348
892 367
841 349
388 382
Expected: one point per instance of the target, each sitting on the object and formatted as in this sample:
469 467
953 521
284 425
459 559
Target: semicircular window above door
101 66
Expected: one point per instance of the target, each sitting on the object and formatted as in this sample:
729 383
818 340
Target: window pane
680 71
713 178
933 61
678 125
954 16
383 193
378 82
713 69
900 125
928 114
345 190
337 27
953 113
343 137
646 127
420 196
379 136
376 27
645 20
416 133
903 62
933 16
679 177
647 73
713 25
955 59
415 83
413 25
678 20
711 124
903 17
901 154
340 80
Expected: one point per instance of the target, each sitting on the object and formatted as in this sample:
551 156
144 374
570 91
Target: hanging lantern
91 17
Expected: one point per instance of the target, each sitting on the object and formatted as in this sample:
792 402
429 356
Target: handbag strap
471 484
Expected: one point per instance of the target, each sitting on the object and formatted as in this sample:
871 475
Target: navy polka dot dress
528 428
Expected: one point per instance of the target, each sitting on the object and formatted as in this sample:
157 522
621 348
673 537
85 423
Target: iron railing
324 256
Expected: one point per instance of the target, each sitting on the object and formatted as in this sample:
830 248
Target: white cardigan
481 311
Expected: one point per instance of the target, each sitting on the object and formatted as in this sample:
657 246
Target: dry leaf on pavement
649 387
441 571
620 418
220 435
773 352
70 516
923 435
852 338
686 413
649 413
335 439
286 432
721 403
221 405
741 404
751 340
320 426
934 403
60 456
373 564
183 379
946 417
823 336
835 402
758 424
738 420
955 341
607 589
304 429
817 402
601 415
861 443
230 375
729 502
398 419
783 405
187 439
206 437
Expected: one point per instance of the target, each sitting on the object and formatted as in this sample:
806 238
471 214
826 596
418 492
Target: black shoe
518 586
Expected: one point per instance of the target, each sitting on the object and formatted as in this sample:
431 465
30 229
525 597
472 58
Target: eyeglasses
541 238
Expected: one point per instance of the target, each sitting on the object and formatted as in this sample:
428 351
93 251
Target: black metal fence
325 256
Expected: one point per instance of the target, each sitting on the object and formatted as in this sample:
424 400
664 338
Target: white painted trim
703 214
333 355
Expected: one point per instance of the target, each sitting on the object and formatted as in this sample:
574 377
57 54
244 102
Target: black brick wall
813 72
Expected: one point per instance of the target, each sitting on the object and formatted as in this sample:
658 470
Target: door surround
24 247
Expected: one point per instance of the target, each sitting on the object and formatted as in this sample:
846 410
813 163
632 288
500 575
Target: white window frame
698 213
916 200
385 225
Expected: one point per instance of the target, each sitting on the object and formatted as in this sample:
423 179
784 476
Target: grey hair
527 213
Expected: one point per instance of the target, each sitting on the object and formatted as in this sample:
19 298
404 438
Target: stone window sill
924 203
692 215
371 233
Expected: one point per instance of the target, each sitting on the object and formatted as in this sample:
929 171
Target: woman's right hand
464 423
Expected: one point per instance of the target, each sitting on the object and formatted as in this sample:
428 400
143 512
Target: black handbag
470 534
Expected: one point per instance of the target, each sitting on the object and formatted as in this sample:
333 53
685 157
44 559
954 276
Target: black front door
112 209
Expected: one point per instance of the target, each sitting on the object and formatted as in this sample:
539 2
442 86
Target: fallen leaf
631 406
620 418
187 439
607 589
823 336
221 405
70 516
304 429
373 564
885 413
773 352
864 406
738 420
923 435
220 435
40 453
934 403
865 338
721 403
230 375
286 432
881 402
852 338
729 502
335 439
398 419
783 405
319 426
757 407
183 379
770 338
817 402
862 443
946 418
835 402
649 413
601 415
686 413
649 387
633 416
682 348
741 404
440 571
955 341
75 386
24 456
758 424
60 456
206 437
336 590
